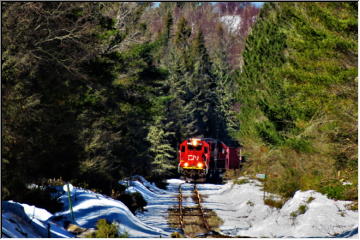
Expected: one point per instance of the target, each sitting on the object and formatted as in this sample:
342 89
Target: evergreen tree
297 95
178 66
202 98
160 137
43 79
225 90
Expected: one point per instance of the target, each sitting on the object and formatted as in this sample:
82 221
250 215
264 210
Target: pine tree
162 152
177 63
202 101
225 90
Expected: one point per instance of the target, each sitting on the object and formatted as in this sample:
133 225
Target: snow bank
158 203
244 213
25 221
89 207
240 206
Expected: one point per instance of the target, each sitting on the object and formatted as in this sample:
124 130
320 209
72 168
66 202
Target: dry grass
214 221
353 206
273 203
193 221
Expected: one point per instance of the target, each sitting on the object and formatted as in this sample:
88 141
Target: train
207 158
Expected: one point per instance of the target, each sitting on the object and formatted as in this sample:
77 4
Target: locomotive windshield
194 148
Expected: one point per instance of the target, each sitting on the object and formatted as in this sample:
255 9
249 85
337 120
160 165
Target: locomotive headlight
186 164
200 165
194 142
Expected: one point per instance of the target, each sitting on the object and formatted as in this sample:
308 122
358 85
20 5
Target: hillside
298 98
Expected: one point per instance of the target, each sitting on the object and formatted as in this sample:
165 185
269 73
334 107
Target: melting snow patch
307 214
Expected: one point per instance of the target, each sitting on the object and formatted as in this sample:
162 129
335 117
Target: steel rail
199 207
198 199
181 215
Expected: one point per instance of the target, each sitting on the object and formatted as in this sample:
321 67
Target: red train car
206 157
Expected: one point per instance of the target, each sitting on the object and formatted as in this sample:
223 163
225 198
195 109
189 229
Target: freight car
206 158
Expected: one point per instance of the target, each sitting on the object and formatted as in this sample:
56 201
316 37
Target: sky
258 4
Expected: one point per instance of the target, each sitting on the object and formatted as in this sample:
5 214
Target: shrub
250 203
160 182
301 210
41 198
231 174
293 214
176 235
310 199
104 229
300 145
241 181
351 192
55 182
335 189
134 201
117 190
288 189
273 203
353 206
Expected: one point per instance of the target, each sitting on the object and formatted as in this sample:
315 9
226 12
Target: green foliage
104 229
297 95
241 181
301 210
40 197
90 94
300 145
336 190
310 199
77 105
163 153
274 203
42 83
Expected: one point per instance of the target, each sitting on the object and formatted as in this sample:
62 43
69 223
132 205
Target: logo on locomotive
193 157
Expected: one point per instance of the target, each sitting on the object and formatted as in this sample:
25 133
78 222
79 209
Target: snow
158 203
89 207
37 213
241 208
22 220
232 22
244 213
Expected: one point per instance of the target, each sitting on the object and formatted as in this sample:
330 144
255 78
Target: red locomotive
206 157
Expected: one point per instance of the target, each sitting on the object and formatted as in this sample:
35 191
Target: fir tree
225 90
162 152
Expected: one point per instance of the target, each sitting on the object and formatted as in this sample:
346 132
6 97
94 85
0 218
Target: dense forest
94 92
298 98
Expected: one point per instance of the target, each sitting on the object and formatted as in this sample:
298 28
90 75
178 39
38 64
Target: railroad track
193 221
